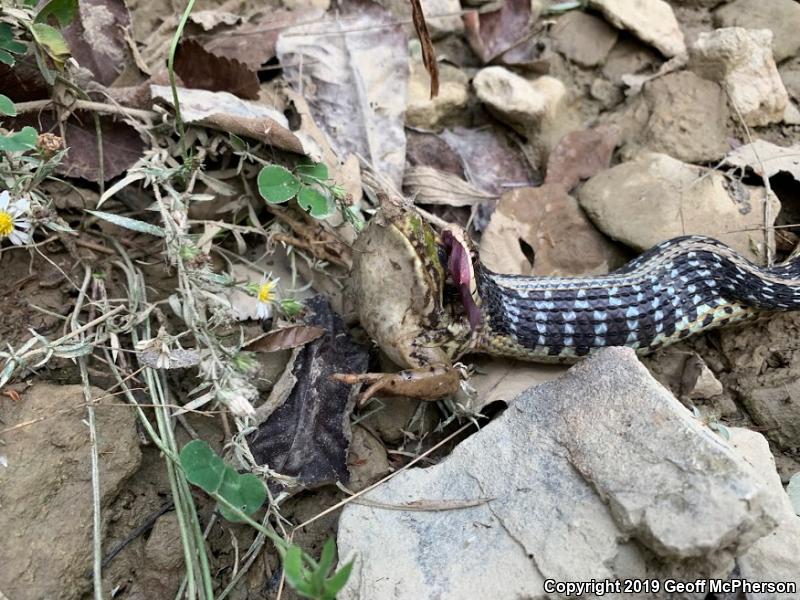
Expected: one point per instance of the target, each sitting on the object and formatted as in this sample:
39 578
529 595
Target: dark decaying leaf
122 145
285 338
201 69
96 38
307 437
490 34
23 82
428 52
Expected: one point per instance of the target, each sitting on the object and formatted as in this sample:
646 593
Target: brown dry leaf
353 70
766 159
24 82
285 338
211 19
96 38
122 145
201 69
549 224
491 160
427 185
253 42
226 112
581 155
490 34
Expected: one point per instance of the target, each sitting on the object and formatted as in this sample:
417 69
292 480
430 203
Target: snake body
447 303
678 288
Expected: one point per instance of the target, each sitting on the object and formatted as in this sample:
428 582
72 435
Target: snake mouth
461 273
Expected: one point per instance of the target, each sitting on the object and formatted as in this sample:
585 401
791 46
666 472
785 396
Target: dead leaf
307 437
211 19
285 338
492 160
226 112
201 69
766 159
354 73
427 185
122 146
543 231
490 34
253 42
581 155
24 82
96 38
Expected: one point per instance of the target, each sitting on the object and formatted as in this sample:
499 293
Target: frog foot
430 382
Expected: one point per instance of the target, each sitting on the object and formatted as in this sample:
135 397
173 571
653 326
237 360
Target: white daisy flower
266 296
14 219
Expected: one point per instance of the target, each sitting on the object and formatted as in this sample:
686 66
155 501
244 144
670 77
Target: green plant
312 581
209 472
241 495
309 184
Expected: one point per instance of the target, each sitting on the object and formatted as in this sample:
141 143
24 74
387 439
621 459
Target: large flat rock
599 474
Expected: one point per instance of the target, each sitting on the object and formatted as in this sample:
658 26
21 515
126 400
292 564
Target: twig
89 105
350 499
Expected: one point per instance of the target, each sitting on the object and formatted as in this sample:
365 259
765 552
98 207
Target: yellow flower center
266 292
6 224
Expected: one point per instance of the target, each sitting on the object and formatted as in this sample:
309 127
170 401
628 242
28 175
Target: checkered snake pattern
680 287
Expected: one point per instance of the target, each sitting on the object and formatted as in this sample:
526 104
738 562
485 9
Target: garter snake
427 299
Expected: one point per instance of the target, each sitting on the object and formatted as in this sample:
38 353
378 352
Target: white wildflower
14 219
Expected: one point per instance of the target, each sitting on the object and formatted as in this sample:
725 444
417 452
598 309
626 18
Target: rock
599 474
46 489
699 382
763 364
524 105
306 4
391 419
790 75
781 17
652 21
655 197
687 119
583 38
531 219
606 92
741 60
163 567
425 112
535 109
628 57
366 460
775 557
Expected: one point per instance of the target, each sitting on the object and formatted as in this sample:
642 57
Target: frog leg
430 382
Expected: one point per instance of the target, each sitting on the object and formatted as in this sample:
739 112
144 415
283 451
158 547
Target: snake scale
427 298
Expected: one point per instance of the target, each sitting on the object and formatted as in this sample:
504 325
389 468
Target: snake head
461 256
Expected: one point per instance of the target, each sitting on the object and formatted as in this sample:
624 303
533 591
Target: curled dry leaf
766 159
285 338
427 185
226 112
